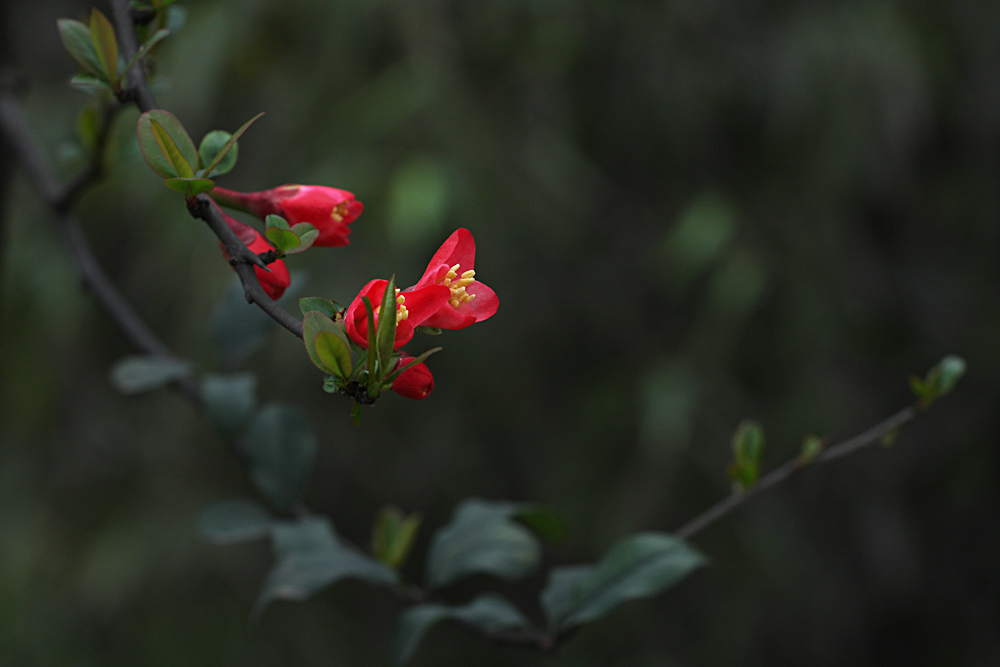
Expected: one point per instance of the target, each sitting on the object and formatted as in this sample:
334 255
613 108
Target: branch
15 127
832 453
125 29
243 260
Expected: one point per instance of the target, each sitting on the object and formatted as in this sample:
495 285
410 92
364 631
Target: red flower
273 283
329 210
415 382
412 308
469 300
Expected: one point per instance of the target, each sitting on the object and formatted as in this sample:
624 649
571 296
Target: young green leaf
229 145
276 221
158 37
76 38
89 83
190 187
210 146
748 445
102 34
282 239
163 160
387 328
334 353
307 235
393 535
313 324
324 306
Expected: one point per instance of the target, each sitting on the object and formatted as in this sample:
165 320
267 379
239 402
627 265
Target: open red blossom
469 301
329 210
277 281
412 308
415 382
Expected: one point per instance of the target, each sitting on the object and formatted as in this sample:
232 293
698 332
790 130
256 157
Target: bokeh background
694 211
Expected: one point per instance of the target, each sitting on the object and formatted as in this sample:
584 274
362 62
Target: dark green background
693 212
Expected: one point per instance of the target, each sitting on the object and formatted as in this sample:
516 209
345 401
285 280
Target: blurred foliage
693 212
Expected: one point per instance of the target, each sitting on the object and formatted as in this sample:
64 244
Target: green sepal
325 306
75 36
102 35
387 328
230 145
393 535
190 187
168 150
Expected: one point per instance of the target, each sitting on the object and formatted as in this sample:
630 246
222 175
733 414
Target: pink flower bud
415 382
329 210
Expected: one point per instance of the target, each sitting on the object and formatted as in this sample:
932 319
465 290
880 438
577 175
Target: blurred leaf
543 522
418 199
234 521
324 306
748 445
393 535
88 127
102 34
146 47
481 538
136 374
356 413
940 380
89 83
229 401
176 18
75 36
280 447
168 150
639 566
229 145
238 329
698 239
490 613
812 446
310 558
189 187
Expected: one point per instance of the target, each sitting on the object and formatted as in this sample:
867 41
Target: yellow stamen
458 285
339 211
401 312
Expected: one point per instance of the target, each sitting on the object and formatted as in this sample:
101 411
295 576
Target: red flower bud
329 210
415 382
278 279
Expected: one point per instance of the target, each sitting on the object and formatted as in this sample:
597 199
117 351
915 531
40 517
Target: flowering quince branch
483 537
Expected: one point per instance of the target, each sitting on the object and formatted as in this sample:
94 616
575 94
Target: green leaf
748 445
209 148
307 235
158 37
281 239
481 538
324 306
102 34
190 187
234 521
276 221
942 379
543 522
490 613
356 413
91 84
372 338
310 558
280 447
313 324
136 374
393 535
386 329
229 401
169 151
230 145
75 36
639 566
334 353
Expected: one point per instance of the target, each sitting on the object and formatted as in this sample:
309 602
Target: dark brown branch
138 89
832 453
243 260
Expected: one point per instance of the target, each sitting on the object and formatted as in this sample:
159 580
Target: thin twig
125 30
779 474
